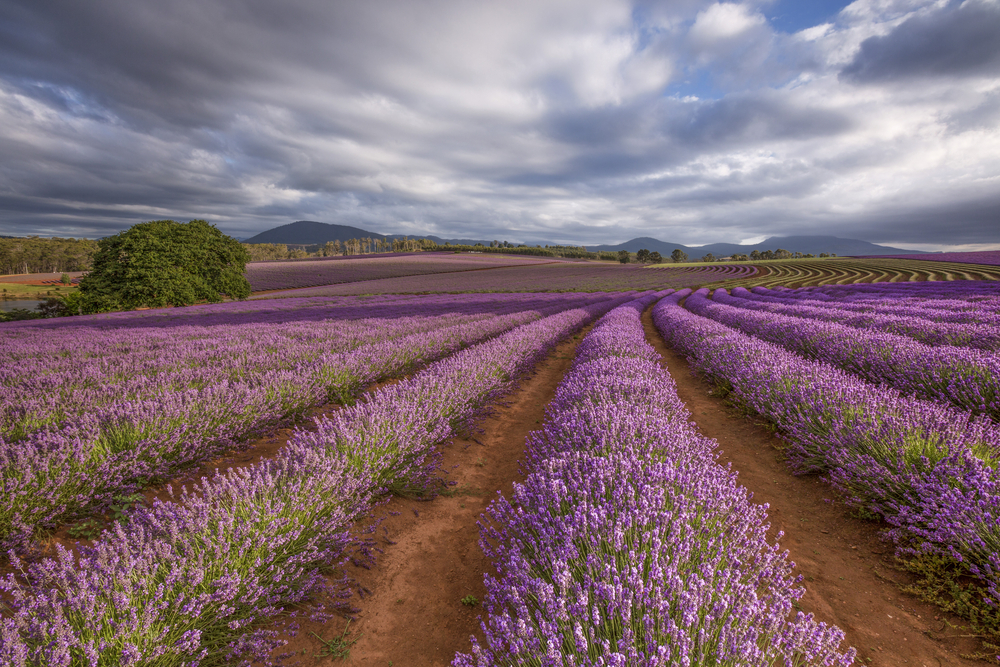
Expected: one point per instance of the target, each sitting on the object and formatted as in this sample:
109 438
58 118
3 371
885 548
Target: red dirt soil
413 615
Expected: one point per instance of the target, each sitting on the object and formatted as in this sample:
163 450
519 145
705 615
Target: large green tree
165 263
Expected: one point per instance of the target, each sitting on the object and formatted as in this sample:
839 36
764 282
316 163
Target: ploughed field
230 483
469 272
852 270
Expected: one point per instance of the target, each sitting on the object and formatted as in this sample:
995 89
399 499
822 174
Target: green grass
18 291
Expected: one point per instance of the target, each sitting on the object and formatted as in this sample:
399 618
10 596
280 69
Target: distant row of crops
846 271
488 273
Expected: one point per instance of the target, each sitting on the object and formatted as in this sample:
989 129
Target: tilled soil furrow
413 613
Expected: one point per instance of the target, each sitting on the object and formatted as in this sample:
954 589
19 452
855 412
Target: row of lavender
917 321
962 302
927 468
55 373
964 377
118 443
943 299
203 579
628 543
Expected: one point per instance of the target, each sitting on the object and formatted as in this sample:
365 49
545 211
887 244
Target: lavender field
889 391
625 542
264 276
547 276
986 257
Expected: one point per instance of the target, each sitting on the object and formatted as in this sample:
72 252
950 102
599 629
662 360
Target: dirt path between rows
848 571
413 615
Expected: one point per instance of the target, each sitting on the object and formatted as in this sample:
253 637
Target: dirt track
414 614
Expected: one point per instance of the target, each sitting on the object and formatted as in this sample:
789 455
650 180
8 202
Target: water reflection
7 305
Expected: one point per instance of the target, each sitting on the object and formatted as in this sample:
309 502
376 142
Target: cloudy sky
586 121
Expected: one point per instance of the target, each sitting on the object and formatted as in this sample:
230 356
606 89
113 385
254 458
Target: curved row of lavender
202 580
628 544
209 390
928 469
910 321
971 302
988 257
944 301
63 372
967 378
309 273
721 271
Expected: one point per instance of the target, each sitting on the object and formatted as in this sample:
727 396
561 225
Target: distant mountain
805 244
310 232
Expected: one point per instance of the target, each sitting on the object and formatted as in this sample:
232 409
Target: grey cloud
757 118
458 119
972 220
962 39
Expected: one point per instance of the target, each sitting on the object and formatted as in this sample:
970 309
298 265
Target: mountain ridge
311 232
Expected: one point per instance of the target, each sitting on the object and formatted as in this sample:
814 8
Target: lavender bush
99 444
964 377
916 321
628 544
201 580
929 469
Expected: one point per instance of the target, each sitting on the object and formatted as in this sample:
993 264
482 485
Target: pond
7 305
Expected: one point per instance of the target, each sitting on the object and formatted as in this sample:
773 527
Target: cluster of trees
159 263
644 256
679 256
45 255
755 256
276 251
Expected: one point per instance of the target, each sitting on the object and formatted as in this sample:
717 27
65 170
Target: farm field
265 276
988 257
850 270
547 276
267 469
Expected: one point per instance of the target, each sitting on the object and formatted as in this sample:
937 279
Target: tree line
260 252
34 254
678 256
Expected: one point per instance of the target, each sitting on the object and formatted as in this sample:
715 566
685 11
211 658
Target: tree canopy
164 262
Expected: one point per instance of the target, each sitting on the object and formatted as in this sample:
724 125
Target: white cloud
566 120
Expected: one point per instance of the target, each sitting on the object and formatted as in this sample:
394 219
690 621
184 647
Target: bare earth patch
413 614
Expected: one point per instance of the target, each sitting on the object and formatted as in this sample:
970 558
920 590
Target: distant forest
57 255
45 255
365 246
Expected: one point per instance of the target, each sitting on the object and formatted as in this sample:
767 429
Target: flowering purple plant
967 378
88 415
201 580
928 468
627 543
